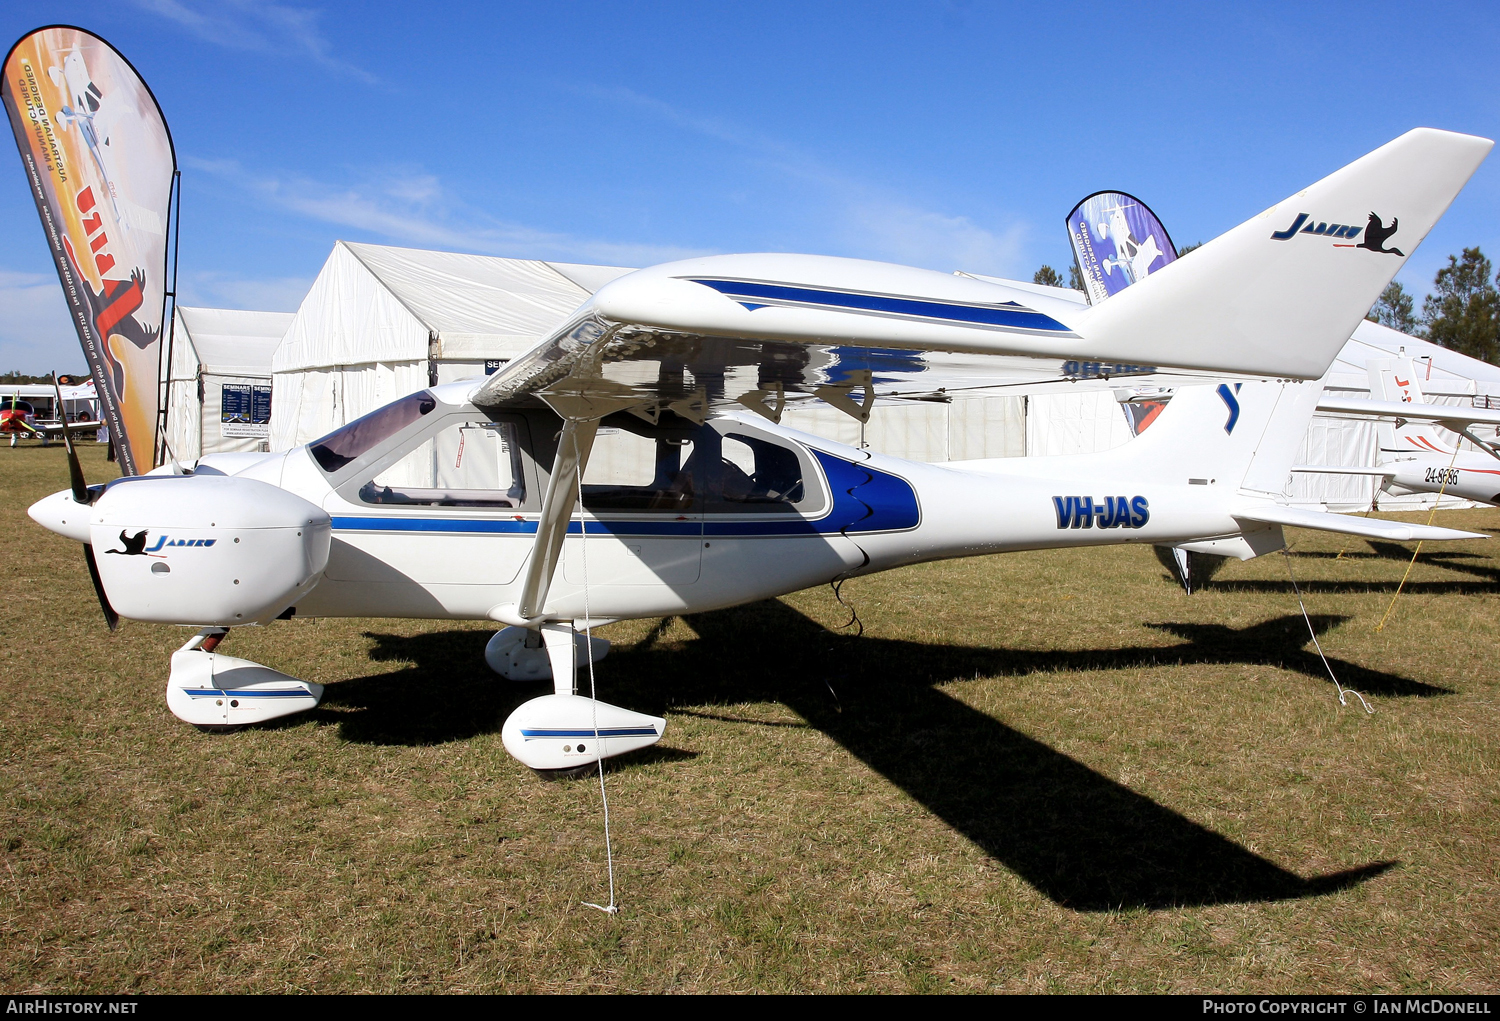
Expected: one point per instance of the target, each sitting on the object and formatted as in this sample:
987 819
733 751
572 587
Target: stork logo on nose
135 545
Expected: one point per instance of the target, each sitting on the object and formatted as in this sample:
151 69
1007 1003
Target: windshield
341 446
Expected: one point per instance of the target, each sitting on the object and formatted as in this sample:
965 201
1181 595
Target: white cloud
921 237
415 208
873 220
36 335
258 27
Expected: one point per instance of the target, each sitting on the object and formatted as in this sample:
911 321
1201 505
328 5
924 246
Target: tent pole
164 394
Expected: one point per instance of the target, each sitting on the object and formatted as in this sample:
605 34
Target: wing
1245 303
56 428
1329 469
719 328
1456 418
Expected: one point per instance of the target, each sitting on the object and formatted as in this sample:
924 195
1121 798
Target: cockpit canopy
419 452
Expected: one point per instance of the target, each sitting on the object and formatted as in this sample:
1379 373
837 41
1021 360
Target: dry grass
1050 771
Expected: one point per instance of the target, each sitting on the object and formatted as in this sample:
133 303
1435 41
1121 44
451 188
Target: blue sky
948 135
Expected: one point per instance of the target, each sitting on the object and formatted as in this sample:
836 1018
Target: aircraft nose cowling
205 549
60 513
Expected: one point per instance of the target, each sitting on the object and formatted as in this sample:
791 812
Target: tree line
1462 313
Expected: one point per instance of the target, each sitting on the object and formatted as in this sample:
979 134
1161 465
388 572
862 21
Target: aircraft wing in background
1443 414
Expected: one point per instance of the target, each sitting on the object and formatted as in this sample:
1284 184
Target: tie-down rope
588 641
1318 645
1441 490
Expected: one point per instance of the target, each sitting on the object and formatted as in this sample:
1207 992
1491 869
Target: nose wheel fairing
210 689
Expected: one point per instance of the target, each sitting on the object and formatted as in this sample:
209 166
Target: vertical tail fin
1241 436
1395 379
1282 292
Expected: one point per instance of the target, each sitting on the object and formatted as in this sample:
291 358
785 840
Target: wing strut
582 403
573 447
1488 448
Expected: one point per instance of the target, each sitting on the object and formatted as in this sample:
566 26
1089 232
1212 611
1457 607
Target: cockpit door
643 510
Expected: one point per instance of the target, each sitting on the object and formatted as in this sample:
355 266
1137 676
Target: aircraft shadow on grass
1453 560
1077 836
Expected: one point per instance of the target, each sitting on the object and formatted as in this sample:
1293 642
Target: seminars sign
100 163
245 410
1117 240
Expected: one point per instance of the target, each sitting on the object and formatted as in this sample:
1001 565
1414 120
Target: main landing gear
564 731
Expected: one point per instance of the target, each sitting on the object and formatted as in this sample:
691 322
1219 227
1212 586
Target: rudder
1395 379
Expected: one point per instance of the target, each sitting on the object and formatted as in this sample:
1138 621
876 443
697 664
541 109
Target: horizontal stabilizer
1444 413
1336 469
1370 528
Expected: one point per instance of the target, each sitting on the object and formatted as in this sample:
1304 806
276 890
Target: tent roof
228 342
466 298
1451 372
379 304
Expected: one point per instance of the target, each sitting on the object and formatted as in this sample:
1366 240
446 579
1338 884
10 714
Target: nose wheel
213 691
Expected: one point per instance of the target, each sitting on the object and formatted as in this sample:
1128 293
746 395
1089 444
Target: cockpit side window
629 471
755 474
679 468
470 461
343 445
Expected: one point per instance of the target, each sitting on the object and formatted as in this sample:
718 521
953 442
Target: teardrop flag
100 162
1117 241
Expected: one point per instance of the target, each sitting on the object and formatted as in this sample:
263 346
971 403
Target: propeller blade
110 616
81 492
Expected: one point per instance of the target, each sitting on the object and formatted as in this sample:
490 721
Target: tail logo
1305 224
1376 234
1232 403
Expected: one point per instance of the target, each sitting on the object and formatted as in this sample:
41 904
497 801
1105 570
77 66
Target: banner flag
100 162
1117 240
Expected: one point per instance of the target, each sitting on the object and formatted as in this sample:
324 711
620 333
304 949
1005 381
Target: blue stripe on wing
1012 315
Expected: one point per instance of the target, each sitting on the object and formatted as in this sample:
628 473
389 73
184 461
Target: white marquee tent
1446 377
380 322
220 380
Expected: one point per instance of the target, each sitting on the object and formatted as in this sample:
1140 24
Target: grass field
1039 772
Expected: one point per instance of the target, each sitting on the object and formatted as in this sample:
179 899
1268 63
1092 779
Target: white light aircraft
90 110
1413 457
631 465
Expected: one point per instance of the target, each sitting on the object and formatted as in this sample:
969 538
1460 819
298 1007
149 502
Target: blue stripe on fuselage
1009 314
